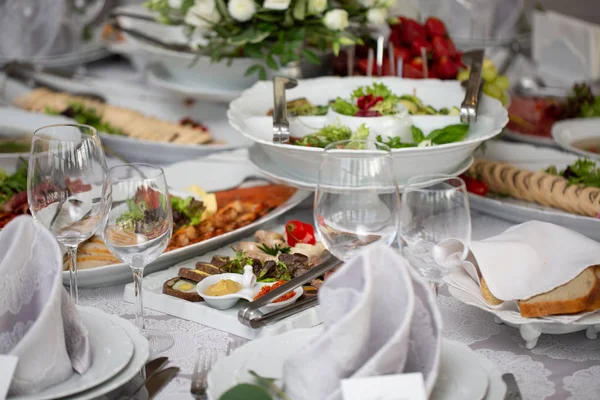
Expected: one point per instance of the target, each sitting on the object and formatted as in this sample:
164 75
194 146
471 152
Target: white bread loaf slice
581 294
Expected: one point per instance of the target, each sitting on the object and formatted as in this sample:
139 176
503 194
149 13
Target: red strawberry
443 47
402 53
419 43
414 69
446 68
411 29
363 63
396 38
435 27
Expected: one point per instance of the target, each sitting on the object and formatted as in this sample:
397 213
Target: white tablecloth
559 367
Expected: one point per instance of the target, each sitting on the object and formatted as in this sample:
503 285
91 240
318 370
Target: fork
199 384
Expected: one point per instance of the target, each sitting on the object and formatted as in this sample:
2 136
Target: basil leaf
246 392
417 134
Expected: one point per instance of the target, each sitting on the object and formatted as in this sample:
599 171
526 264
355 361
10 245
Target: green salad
445 135
12 184
332 133
583 171
86 116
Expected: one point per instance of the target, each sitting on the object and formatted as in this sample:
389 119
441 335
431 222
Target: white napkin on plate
379 318
38 321
533 258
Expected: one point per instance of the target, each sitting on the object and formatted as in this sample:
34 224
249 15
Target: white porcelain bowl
570 131
392 125
247 114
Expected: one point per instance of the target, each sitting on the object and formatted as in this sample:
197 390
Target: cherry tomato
299 232
474 186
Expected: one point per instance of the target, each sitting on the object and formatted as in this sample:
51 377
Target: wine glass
138 228
68 188
356 200
435 225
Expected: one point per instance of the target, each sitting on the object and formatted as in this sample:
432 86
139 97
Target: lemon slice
209 200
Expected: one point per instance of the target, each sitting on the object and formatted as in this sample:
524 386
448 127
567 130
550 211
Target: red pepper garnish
368 101
299 232
367 113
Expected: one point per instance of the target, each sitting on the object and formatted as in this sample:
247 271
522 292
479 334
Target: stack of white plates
464 375
119 352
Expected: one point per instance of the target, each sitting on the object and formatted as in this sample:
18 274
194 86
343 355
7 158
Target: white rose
277 4
367 3
377 16
241 10
336 20
175 4
317 6
202 14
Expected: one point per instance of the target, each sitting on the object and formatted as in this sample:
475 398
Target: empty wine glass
356 200
435 225
138 228
68 188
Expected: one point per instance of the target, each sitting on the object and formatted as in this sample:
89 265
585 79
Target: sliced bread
487 295
581 294
194 275
182 288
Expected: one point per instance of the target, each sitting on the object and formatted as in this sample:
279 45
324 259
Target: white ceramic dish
225 320
570 131
163 79
247 115
140 356
273 171
112 349
392 125
248 292
146 101
535 159
461 374
529 328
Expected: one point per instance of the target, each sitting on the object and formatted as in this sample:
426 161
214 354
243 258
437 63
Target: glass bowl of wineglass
356 200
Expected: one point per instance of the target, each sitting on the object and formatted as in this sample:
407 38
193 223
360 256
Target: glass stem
72 256
138 276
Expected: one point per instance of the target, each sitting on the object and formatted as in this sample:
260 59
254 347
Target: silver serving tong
249 314
468 108
281 126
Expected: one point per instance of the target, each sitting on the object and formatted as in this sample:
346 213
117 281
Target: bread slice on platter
581 294
487 295
182 288
193 275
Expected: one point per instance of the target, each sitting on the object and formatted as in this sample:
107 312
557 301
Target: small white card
8 364
385 387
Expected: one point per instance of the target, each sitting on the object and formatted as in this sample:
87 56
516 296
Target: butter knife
159 380
512 389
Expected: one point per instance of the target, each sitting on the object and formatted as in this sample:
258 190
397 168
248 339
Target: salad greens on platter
264 389
378 100
87 116
13 184
336 132
583 171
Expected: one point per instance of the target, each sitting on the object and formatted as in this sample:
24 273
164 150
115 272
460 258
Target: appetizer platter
416 118
169 128
520 182
201 223
209 289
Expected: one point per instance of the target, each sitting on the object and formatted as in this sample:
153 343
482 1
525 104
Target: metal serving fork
200 374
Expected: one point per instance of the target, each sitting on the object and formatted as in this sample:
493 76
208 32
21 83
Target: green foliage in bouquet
274 32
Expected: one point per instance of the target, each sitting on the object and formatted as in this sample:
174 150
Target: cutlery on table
199 382
512 389
370 59
153 366
380 44
150 40
350 60
155 383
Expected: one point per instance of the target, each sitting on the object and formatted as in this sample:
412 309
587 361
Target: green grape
502 82
489 74
493 91
463 75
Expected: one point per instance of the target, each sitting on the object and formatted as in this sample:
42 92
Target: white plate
247 114
149 102
140 356
527 138
461 375
497 387
568 131
112 349
535 159
224 320
530 328
273 171
162 79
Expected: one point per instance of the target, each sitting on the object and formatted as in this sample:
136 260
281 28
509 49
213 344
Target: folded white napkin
38 321
379 318
533 258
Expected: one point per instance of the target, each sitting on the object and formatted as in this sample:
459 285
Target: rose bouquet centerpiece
274 32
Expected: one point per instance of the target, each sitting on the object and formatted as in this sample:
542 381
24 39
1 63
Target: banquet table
559 367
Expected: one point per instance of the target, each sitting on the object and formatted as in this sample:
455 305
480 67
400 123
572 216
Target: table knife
159 380
512 389
155 365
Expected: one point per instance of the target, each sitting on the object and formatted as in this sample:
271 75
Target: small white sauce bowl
386 125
